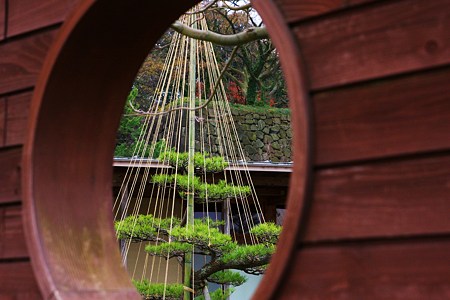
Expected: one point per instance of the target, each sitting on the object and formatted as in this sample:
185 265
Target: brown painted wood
409 114
294 10
27 15
17 118
10 175
391 37
12 238
353 271
2 121
392 198
2 19
21 61
301 179
409 270
17 281
66 169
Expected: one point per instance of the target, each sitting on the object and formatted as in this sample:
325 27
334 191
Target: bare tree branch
242 7
213 93
249 35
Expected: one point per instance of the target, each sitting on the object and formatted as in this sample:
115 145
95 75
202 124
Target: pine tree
171 238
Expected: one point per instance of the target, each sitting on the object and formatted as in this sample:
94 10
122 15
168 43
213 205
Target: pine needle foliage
203 163
153 291
203 192
171 238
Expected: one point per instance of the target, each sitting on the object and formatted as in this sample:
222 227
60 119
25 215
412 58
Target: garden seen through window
203 158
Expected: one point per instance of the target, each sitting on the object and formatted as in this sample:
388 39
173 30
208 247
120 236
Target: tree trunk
252 89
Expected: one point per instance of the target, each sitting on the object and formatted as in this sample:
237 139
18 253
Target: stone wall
265 133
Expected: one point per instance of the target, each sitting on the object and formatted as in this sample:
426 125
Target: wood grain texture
294 10
408 114
390 37
387 199
12 237
10 175
16 118
2 121
2 19
67 172
17 281
410 270
27 15
299 193
21 60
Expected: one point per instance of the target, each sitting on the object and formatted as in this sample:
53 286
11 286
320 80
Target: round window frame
67 174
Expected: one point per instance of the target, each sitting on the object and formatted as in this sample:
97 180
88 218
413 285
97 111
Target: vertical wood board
391 37
16 118
386 199
21 61
413 270
12 237
10 160
389 117
27 15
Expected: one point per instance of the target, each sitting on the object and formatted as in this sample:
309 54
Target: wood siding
28 15
22 59
13 244
377 224
25 37
410 269
381 40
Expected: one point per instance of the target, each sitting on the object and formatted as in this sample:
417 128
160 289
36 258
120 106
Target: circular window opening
203 158
67 170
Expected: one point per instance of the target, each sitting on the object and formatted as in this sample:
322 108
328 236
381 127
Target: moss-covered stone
276 146
259 134
259 144
275 128
250 149
267 139
261 124
245 140
275 136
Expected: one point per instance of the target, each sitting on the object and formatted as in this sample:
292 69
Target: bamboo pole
191 146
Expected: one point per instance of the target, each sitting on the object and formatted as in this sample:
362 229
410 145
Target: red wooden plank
391 37
394 198
16 118
2 18
401 270
17 281
2 121
12 237
10 174
21 61
294 10
26 15
391 117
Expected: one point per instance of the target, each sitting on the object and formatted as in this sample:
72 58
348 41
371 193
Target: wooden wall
377 225
27 29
